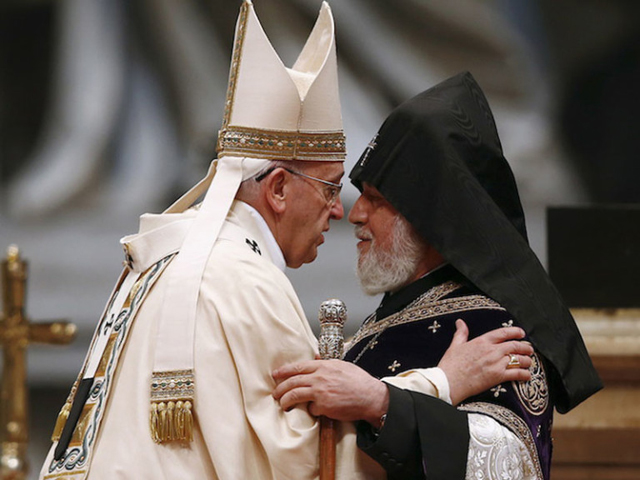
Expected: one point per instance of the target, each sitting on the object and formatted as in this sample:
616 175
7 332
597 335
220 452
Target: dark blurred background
110 108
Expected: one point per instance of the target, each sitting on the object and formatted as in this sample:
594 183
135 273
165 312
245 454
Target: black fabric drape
438 160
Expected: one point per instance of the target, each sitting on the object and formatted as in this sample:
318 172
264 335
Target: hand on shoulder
473 366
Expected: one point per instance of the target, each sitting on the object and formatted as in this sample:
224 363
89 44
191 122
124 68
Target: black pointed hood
438 160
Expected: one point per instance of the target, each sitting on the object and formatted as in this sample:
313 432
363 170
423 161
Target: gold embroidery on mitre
239 141
171 416
235 66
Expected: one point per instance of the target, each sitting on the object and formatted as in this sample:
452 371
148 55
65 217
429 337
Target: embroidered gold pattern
510 420
64 474
235 66
81 427
426 306
394 366
104 361
497 390
239 141
372 342
534 394
435 326
172 385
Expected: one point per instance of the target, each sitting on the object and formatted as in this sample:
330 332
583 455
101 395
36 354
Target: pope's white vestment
249 322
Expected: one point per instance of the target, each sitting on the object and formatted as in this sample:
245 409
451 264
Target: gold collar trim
426 306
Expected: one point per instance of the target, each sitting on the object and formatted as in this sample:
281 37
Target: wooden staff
332 316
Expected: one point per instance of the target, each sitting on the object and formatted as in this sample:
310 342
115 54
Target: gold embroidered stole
75 463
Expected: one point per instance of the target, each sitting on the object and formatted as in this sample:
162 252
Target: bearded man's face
389 250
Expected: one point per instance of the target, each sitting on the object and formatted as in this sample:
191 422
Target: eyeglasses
331 191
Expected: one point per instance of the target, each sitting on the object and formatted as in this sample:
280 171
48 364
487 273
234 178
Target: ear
275 190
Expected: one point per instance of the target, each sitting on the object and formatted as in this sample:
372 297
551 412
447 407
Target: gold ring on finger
513 361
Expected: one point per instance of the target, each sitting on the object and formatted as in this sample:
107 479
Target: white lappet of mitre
271 113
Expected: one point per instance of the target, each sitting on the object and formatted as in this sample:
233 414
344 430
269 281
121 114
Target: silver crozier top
332 316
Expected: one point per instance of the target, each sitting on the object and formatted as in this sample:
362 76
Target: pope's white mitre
277 112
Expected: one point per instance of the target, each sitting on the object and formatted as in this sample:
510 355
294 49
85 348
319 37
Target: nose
357 215
337 210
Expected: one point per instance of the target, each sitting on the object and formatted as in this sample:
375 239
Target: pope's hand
334 388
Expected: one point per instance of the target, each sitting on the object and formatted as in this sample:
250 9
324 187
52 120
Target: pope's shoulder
240 268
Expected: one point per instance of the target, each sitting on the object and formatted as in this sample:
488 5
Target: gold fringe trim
171 415
60 422
171 421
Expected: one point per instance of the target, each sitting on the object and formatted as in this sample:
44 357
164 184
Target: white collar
162 234
159 235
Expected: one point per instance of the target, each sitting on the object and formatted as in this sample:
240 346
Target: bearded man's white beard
381 271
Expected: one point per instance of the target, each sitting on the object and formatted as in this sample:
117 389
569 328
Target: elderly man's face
374 218
307 218
390 253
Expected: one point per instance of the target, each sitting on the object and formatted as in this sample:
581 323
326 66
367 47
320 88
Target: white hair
249 188
387 270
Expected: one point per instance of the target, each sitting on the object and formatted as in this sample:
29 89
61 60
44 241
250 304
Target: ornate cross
16 333
434 328
394 366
